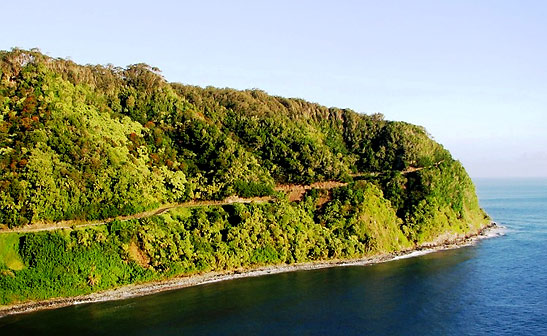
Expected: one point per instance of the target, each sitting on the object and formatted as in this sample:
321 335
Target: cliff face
94 142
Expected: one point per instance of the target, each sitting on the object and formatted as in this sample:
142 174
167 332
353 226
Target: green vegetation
184 241
9 253
93 142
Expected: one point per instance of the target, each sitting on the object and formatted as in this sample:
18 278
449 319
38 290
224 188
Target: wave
495 231
415 254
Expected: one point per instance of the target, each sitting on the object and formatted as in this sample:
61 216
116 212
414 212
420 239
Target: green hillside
95 142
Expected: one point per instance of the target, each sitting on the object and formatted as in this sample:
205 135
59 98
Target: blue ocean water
497 287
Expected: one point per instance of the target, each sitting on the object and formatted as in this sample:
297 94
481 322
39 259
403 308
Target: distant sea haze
496 287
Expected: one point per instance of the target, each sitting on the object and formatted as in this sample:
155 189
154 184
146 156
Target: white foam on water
415 254
496 231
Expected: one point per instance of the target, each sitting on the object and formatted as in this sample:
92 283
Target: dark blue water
498 287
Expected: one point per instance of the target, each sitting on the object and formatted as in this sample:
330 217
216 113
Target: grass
9 256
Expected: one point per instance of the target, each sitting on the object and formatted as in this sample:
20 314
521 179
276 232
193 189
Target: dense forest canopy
88 142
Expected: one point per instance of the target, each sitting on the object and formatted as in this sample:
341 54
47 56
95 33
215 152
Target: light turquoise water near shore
496 287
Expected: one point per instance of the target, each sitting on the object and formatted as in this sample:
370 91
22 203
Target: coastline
135 290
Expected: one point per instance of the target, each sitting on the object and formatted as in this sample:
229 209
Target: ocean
496 287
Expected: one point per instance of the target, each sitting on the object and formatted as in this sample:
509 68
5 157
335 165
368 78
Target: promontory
112 176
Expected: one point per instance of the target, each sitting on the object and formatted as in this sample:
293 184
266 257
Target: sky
473 73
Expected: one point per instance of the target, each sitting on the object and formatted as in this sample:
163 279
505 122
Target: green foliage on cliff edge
92 142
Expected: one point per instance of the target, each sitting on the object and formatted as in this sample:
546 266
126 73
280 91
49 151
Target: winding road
294 192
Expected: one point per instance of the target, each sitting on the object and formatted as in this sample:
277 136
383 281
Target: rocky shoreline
125 292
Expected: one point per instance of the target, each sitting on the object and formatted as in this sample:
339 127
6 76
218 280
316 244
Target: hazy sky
474 73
